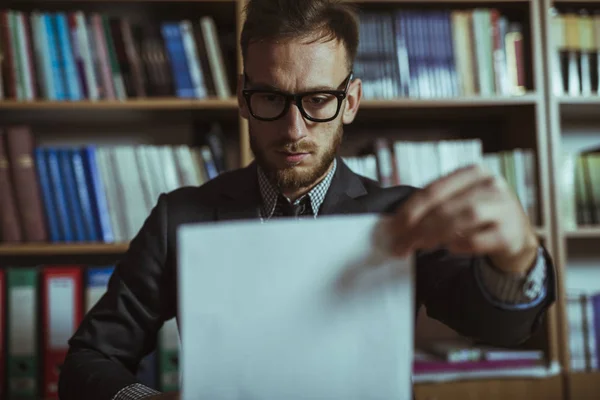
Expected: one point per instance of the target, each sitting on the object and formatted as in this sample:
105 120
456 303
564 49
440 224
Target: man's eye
317 100
270 97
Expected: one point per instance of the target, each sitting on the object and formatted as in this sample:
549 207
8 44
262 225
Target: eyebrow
266 86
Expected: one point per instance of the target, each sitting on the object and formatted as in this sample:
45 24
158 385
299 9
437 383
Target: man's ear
240 98
353 98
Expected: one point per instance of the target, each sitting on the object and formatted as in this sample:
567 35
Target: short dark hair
297 19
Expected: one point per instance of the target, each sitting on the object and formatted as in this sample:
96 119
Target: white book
256 319
131 189
83 43
110 183
215 57
25 62
169 167
193 60
42 56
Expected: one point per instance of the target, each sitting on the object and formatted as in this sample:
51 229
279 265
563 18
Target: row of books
580 182
91 193
576 55
418 163
75 56
41 307
459 356
583 318
440 53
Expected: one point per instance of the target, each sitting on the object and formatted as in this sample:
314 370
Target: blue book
73 204
97 279
47 195
60 198
83 194
97 195
71 75
53 48
179 66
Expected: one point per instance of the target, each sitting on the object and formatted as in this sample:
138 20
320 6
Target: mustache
296 147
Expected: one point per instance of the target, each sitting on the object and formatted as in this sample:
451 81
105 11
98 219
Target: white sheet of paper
294 309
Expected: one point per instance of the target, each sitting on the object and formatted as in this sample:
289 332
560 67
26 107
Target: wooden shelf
129 104
230 104
40 249
584 385
453 2
450 102
132 1
591 232
559 2
579 106
492 389
566 100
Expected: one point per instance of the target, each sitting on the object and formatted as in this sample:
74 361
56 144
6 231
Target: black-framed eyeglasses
317 106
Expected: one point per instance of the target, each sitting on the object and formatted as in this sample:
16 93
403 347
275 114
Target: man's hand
468 211
165 396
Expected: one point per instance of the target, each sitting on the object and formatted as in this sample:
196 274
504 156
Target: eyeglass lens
315 105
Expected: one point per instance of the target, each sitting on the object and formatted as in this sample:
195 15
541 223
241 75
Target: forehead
296 64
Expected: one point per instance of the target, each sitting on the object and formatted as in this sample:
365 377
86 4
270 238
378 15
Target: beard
293 178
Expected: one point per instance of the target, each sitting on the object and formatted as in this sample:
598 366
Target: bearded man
480 268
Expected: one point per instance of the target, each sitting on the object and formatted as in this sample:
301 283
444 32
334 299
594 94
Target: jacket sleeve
105 351
448 287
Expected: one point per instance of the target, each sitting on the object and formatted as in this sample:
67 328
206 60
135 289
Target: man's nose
295 123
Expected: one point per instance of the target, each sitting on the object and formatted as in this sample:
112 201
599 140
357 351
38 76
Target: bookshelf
573 127
502 122
130 104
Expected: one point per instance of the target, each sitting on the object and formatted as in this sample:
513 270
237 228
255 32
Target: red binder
62 314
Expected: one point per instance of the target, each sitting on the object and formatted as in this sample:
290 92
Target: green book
22 349
168 354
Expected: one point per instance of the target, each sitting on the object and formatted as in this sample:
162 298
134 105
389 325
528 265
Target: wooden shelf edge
432 1
595 374
232 104
129 104
591 232
569 100
462 101
40 249
559 2
137 1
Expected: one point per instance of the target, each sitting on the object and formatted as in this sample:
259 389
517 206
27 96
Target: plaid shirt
269 194
505 291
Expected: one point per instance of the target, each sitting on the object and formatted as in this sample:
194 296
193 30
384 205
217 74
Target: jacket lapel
342 196
240 198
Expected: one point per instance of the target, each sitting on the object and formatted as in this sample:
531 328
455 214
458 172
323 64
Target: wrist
518 262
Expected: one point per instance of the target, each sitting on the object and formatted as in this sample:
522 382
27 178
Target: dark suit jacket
122 328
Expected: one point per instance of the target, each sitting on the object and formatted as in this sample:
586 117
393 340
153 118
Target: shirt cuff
135 392
510 291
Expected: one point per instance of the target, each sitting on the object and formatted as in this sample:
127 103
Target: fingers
461 215
438 192
485 241
459 218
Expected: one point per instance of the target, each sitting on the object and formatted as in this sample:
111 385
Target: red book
62 312
10 228
20 144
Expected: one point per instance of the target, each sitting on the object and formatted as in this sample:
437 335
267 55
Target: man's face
294 151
